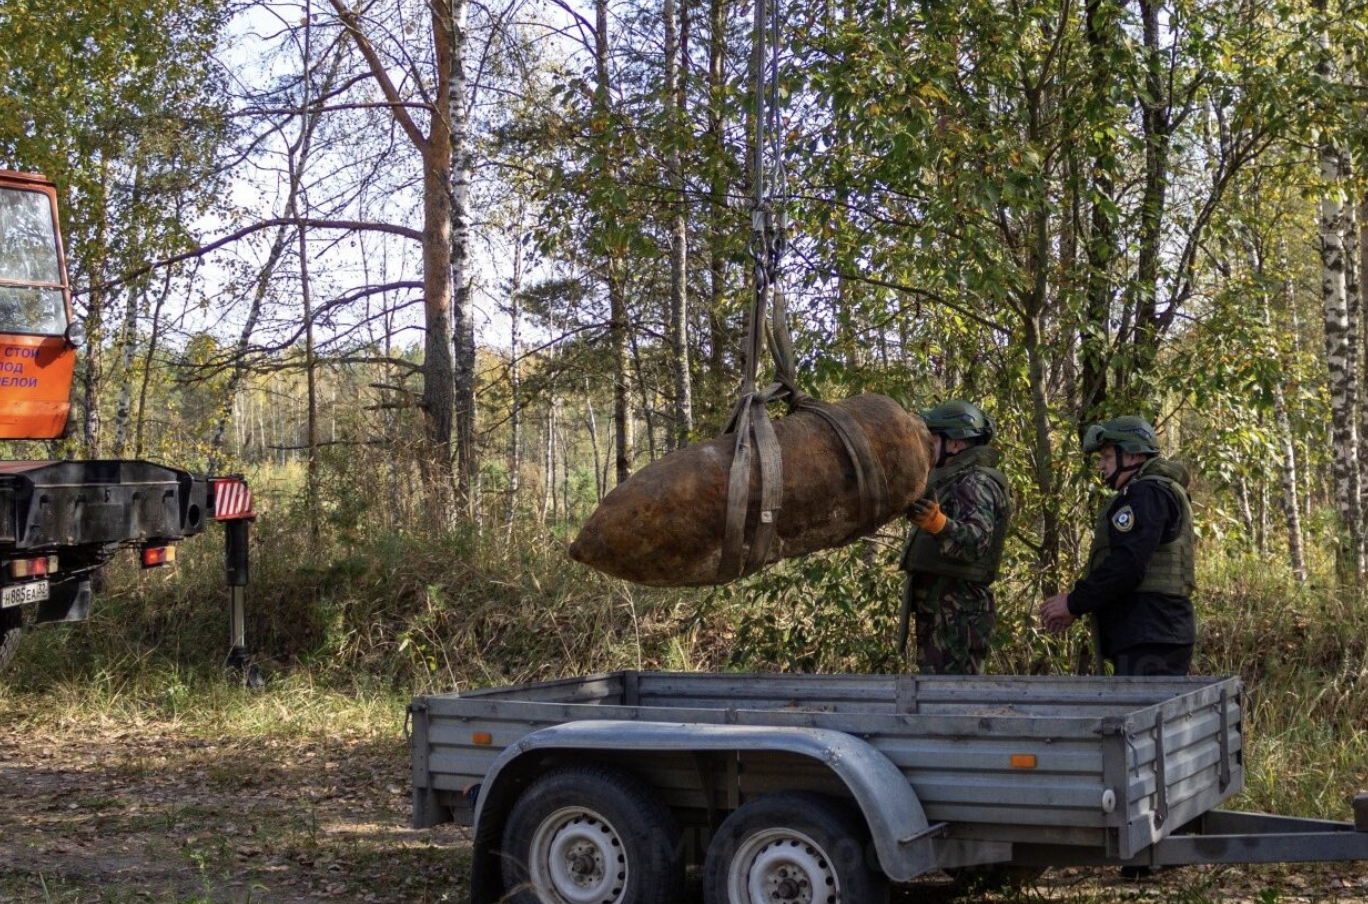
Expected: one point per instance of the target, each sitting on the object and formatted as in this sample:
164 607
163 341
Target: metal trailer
600 790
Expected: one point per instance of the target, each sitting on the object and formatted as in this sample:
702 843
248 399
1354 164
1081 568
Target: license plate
21 594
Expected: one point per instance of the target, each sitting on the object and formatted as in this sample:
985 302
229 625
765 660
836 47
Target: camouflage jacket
977 504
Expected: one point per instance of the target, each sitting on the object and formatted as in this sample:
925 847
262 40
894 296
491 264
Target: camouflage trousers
955 622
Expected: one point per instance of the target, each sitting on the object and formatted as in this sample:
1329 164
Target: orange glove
926 513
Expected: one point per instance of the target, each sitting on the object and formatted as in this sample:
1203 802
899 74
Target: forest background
436 276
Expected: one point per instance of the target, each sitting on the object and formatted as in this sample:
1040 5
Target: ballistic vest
1172 570
922 553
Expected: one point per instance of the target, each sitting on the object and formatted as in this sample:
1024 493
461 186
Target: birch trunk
1156 124
463 332
548 505
717 201
1288 464
1363 377
1338 356
514 378
1034 310
677 325
614 267
124 345
600 466
1354 369
1093 346
123 411
92 380
311 382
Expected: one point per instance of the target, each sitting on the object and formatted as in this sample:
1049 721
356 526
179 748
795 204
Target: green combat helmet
959 420
1129 433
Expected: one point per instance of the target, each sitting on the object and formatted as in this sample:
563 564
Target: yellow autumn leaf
930 92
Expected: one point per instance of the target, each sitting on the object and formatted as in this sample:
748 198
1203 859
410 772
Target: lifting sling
767 323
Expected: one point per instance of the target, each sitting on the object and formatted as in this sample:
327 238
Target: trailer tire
792 846
11 631
591 835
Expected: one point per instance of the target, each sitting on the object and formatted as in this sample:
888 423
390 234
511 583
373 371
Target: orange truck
62 521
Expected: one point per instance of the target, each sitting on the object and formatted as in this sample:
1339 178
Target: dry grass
219 787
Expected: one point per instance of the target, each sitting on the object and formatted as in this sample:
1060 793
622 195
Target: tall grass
357 625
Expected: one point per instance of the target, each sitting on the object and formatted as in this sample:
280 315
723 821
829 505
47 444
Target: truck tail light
32 568
232 498
153 556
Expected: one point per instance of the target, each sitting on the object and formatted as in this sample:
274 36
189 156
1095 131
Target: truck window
31 296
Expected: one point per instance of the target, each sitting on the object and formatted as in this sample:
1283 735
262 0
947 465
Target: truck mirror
75 334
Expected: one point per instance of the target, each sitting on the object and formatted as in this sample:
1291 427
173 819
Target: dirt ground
147 814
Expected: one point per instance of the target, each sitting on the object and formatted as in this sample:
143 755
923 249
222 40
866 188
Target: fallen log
664 525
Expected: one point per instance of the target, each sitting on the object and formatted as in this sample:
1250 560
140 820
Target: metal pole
238 573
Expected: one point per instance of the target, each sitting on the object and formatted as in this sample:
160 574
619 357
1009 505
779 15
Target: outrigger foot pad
240 661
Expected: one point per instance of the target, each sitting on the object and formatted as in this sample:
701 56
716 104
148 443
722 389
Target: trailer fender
902 835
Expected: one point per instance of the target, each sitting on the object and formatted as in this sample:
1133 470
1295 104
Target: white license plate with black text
22 594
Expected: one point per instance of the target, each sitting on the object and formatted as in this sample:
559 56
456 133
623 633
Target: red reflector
232 499
153 556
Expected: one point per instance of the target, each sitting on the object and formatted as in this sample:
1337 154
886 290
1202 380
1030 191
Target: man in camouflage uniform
1138 584
955 546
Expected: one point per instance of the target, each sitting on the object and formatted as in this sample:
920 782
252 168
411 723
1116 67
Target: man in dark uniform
1139 579
954 549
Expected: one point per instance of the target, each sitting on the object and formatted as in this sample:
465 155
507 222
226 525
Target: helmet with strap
960 420
1129 434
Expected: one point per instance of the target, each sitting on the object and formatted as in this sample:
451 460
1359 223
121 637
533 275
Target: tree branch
352 21
201 251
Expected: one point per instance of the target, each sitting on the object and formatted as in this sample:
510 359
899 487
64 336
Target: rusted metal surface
664 526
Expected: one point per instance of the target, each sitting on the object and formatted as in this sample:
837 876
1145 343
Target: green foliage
827 612
118 104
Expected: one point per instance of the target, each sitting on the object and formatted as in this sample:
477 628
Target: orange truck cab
37 345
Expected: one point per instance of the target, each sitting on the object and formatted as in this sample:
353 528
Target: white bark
1287 465
1353 370
1338 354
463 331
548 506
1363 378
1335 308
599 468
678 324
514 377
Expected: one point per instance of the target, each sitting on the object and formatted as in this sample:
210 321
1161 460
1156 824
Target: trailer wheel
591 835
793 847
11 630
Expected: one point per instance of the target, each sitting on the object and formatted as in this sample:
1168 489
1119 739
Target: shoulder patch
1124 519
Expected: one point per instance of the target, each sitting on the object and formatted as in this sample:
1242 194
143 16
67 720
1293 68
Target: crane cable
767 323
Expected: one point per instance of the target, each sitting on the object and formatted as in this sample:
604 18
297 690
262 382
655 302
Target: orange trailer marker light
153 556
482 738
1023 761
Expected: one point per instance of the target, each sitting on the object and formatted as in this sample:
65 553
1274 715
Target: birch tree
675 102
1335 307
